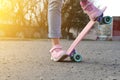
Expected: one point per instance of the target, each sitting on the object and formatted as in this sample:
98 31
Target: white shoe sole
60 58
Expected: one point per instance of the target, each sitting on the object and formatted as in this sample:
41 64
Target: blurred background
27 19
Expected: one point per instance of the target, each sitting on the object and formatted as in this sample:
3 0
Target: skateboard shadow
70 61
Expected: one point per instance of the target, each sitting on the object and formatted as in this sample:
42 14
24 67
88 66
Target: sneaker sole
60 59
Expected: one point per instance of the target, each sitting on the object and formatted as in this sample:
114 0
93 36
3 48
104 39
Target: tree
26 13
33 13
73 17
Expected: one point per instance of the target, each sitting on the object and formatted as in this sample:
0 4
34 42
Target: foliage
73 17
26 15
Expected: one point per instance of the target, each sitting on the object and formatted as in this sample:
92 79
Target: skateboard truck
104 20
74 55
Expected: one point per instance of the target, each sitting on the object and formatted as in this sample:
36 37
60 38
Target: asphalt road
30 60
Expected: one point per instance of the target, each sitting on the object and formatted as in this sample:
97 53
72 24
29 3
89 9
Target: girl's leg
54 23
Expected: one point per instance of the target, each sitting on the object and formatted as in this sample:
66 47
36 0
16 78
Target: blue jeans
54 18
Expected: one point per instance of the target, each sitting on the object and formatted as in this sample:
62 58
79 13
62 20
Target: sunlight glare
112 6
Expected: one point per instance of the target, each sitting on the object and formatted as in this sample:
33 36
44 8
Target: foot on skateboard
71 50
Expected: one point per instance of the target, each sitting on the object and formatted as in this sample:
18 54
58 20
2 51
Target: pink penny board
81 35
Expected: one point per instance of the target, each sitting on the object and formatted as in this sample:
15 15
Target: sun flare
18 16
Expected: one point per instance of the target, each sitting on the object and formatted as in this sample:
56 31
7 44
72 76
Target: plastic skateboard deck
81 35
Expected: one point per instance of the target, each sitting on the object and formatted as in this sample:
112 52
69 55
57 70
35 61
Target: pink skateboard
71 51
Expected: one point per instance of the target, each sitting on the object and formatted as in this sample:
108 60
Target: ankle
55 41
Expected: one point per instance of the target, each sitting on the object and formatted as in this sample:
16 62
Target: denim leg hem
54 35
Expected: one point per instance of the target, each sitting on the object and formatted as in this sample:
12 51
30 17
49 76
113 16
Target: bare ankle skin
55 41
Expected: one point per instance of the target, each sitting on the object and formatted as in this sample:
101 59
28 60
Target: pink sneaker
90 9
57 54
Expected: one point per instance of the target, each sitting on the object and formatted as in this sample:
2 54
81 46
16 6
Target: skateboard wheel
76 57
107 20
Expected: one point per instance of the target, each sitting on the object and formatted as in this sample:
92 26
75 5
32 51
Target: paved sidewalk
30 60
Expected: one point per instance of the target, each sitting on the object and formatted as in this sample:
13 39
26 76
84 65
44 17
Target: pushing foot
57 53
